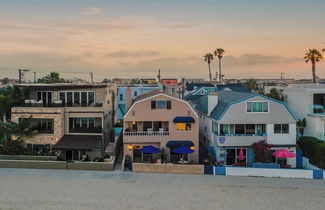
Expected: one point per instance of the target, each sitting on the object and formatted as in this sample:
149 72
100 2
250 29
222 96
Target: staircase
119 161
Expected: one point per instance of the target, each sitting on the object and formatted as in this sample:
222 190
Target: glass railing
86 130
263 134
317 109
40 104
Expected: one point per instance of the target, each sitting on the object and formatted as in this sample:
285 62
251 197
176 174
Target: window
183 126
257 107
260 129
76 96
121 97
85 125
45 96
83 98
42 125
69 98
161 104
250 129
281 128
240 129
91 97
135 93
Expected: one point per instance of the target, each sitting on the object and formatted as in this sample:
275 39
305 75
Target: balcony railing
317 109
86 130
40 104
145 136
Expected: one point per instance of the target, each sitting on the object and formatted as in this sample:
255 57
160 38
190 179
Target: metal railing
145 136
95 104
145 133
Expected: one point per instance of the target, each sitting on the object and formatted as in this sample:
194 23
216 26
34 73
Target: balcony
317 109
145 136
34 103
238 140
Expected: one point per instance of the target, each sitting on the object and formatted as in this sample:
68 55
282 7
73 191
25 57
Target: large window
77 98
183 126
42 125
242 129
256 106
161 104
45 96
281 128
85 125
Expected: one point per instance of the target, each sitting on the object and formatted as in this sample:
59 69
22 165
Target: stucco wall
237 114
265 172
168 168
142 112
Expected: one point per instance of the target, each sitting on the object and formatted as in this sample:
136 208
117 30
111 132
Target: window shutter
153 104
169 104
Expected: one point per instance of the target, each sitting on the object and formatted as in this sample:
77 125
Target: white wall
206 129
279 138
269 172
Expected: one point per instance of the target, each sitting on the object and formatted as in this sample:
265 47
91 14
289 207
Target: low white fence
269 172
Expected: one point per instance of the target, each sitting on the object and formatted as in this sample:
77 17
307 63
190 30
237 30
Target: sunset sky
135 38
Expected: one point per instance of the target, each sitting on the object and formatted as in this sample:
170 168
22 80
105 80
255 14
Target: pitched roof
149 94
225 98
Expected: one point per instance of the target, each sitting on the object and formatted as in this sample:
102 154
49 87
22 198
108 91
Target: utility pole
92 77
34 76
21 73
158 77
281 77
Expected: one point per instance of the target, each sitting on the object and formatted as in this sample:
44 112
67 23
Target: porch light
14 138
130 147
192 148
133 122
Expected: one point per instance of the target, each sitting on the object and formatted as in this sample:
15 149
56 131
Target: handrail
145 133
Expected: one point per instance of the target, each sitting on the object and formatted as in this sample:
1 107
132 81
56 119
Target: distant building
123 81
148 81
271 81
190 81
171 87
5 82
307 101
127 93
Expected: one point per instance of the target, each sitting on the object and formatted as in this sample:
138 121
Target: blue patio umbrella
183 150
150 149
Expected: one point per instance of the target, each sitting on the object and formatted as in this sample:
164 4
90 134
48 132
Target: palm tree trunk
314 71
210 73
219 69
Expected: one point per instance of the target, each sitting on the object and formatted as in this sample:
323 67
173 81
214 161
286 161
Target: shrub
10 147
313 149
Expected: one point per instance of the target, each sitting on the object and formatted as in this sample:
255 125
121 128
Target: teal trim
271 99
317 174
220 170
250 156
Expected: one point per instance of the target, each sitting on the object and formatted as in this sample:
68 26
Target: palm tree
219 53
252 84
208 58
314 56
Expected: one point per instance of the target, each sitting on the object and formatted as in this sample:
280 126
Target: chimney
128 98
212 101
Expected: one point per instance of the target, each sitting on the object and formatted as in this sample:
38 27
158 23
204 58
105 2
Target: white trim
160 94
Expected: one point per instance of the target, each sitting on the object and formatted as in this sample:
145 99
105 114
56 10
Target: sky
135 38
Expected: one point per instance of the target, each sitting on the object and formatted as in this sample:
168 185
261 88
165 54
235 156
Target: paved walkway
66 189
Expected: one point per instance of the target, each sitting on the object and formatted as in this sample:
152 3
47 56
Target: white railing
145 136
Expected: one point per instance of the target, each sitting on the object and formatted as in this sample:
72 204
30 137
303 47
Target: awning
179 143
77 142
183 120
